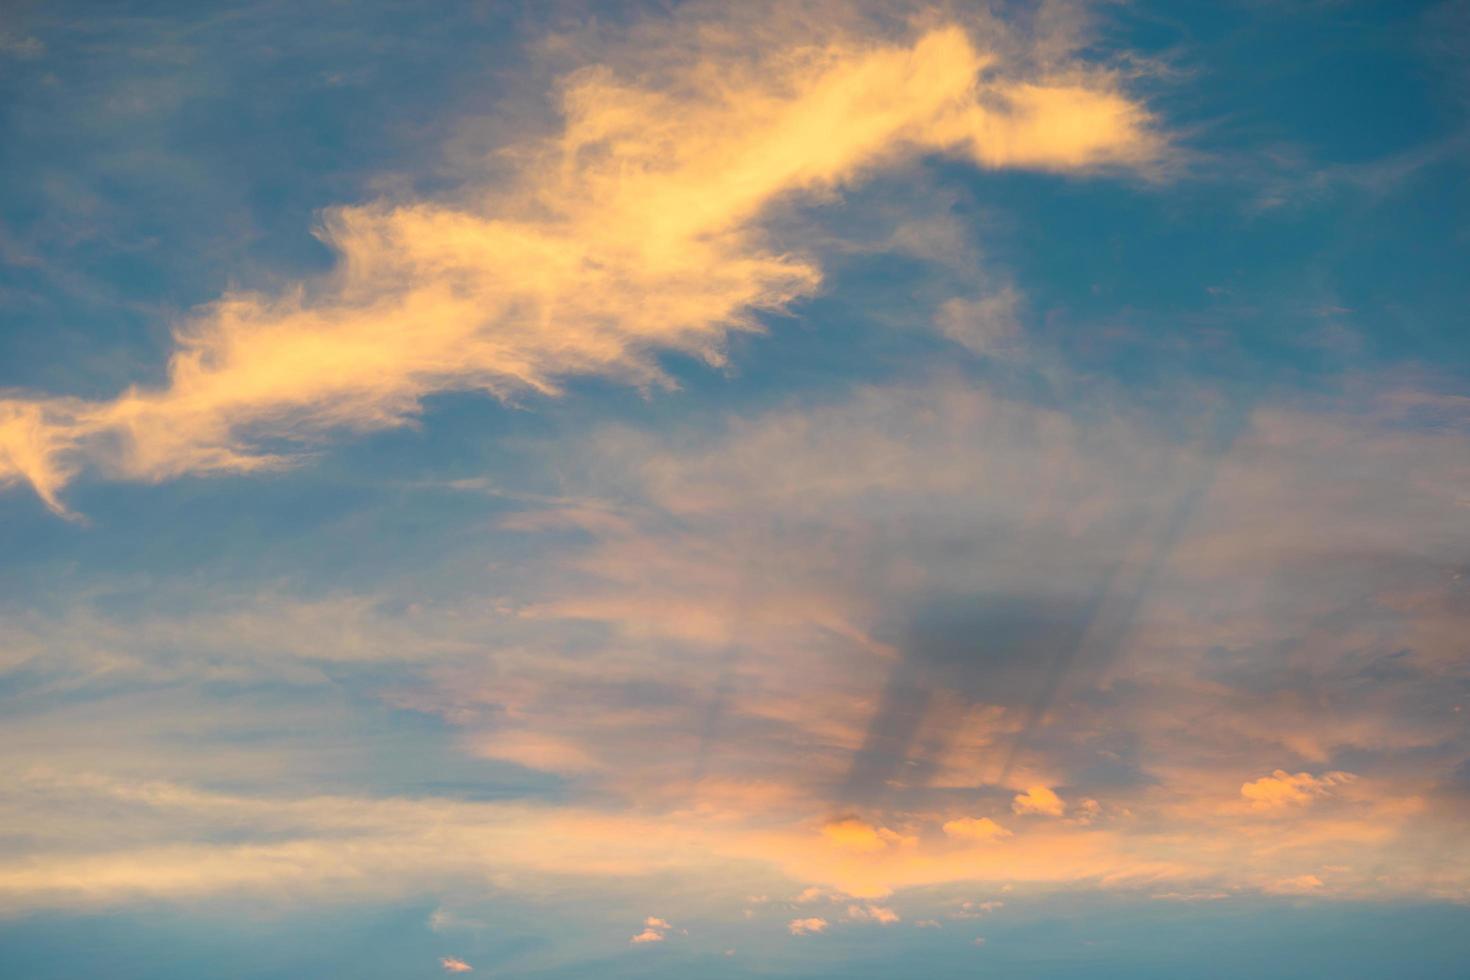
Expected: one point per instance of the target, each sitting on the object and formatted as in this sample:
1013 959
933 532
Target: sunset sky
716 490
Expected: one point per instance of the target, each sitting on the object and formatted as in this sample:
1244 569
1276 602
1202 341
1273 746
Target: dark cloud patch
970 650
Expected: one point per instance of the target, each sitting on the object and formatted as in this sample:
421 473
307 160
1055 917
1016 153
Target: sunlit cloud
655 930
975 829
1283 789
880 914
1038 800
851 833
632 232
632 808
1009 568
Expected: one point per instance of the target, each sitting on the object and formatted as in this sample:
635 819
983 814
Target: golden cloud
1283 789
635 231
971 828
1038 800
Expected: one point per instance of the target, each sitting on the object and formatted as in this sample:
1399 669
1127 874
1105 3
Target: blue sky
663 490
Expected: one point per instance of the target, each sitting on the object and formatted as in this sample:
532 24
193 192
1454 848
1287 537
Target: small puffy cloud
927 924
975 829
654 929
1038 800
805 927
1284 789
978 941
453 964
873 913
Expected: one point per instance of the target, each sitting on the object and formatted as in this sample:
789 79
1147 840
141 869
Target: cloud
636 230
986 325
1298 885
975 829
873 913
536 751
1038 800
78 841
21 47
851 833
854 834
806 927
453 964
835 524
654 931
974 910
1282 789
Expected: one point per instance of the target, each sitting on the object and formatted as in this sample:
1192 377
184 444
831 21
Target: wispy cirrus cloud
635 230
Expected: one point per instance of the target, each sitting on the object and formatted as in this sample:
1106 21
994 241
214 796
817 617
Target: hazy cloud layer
810 666
1090 528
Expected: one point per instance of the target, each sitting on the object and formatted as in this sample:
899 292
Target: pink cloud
806 927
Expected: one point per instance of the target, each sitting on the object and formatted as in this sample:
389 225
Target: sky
781 489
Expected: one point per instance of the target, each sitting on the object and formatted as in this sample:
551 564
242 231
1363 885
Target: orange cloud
1282 789
971 828
1038 800
654 930
880 914
853 834
806 927
453 964
634 231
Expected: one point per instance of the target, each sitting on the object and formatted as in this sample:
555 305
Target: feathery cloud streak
633 232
